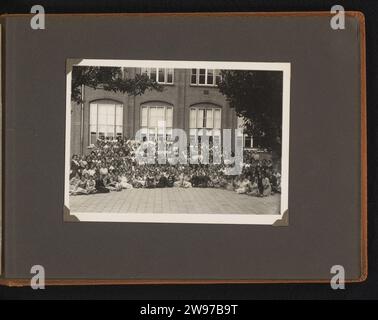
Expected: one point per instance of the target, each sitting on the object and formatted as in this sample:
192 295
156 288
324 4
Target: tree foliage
109 79
257 97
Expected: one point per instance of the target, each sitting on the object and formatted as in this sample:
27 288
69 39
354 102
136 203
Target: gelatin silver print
177 141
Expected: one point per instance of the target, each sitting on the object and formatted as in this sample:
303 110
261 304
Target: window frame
215 73
148 71
240 125
245 136
147 127
115 134
205 118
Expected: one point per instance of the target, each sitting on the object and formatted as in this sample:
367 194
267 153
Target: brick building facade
190 100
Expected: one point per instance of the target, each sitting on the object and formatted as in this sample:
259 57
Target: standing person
75 166
278 177
273 182
103 168
85 170
92 169
260 185
83 162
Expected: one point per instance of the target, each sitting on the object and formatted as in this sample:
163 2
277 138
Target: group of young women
111 166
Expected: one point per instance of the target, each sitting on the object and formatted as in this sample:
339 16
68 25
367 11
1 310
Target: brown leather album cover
183 148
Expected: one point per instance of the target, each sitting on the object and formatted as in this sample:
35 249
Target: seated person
229 183
214 181
74 182
254 190
278 177
112 183
85 170
101 185
242 185
139 181
150 182
195 180
92 170
171 180
273 182
204 181
186 181
222 182
235 182
82 186
178 180
260 185
91 185
162 180
124 182
183 181
103 170
267 187
75 165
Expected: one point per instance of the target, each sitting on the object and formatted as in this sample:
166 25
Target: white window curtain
105 120
209 118
200 118
192 120
217 118
152 117
144 116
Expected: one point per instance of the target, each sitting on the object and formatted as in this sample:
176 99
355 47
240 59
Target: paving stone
175 200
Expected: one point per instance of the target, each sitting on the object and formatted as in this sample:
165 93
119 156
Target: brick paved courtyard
175 200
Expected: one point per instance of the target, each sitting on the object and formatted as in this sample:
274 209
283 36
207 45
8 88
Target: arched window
205 117
205 121
156 120
105 120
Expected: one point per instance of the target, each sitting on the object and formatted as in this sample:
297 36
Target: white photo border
257 219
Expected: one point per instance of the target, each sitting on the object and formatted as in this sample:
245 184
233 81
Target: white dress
125 184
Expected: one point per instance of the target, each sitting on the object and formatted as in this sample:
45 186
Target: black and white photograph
177 141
